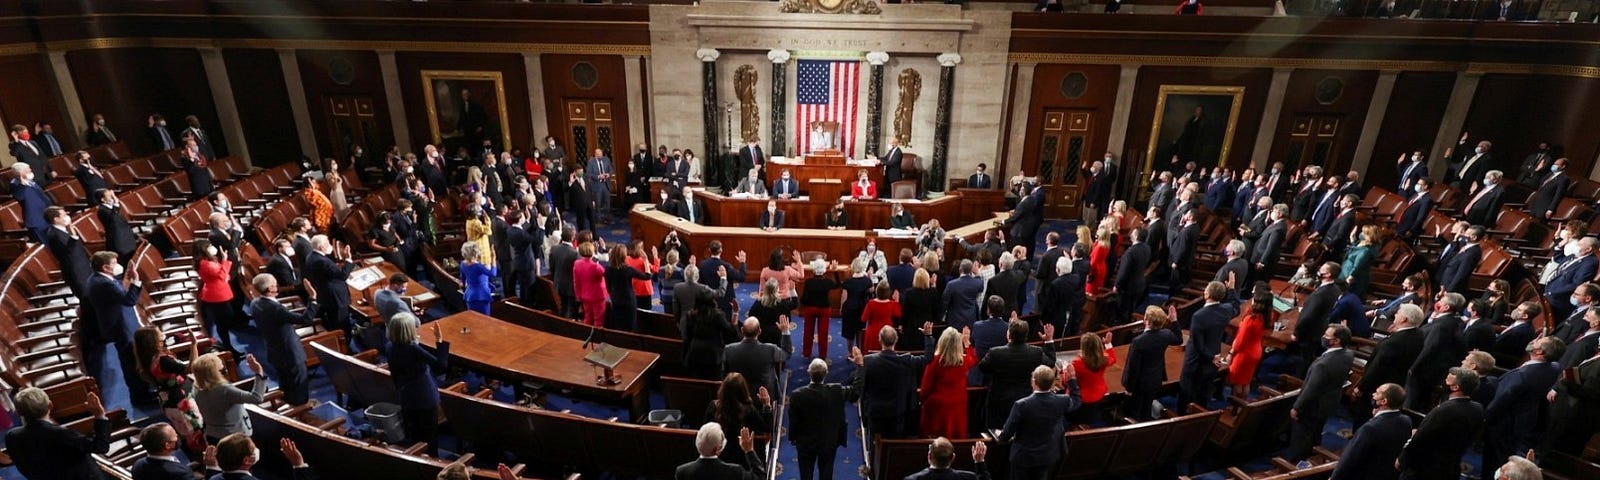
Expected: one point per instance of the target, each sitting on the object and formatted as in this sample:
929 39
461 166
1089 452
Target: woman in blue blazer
412 368
475 277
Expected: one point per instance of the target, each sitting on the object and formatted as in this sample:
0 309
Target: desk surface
364 291
527 354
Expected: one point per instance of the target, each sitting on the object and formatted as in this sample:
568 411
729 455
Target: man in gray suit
1319 396
684 293
758 362
598 173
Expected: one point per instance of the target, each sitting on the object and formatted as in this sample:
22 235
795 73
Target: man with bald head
709 441
757 362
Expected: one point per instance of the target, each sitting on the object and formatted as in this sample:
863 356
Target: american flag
827 92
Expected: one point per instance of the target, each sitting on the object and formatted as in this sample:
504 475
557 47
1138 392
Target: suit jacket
1372 451
27 152
1047 266
1008 370
282 269
592 172
1266 249
71 256
891 165
1025 220
302 473
1314 317
716 469
1098 190
119 234
151 469
1324 211
1008 285
1131 280
43 450
1161 196
788 187
1442 347
1037 426
1208 327
1573 326
562 257
772 219
1580 350
1305 201
1487 207
816 416
1409 173
960 301
412 368
1319 396
753 187
1244 201
1392 359
1337 236
1549 193
1441 439
1146 369
1479 335
756 361
1218 194
522 245
698 208
888 380
1415 215
1519 401
1569 276
96 137
1458 271
985 181
751 158
33 201
1181 245
1475 171
1508 347
329 280
979 472
114 307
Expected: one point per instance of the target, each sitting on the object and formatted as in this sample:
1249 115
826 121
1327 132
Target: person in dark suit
1442 347
1435 450
580 201
1509 345
993 245
1131 281
1096 192
1411 169
562 257
785 186
1570 274
277 325
756 361
1585 345
112 302
1007 368
887 381
1208 327
44 137
1245 195
236 454
328 276
1277 186
1484 206
1479 333
1047 272
1037 423
1162 191
160 137
1024 222
281 264
42 449
1314 318
1390 362
1550 190
1264 254
1415 214
1306 194
691 209
28 153
1519 401
1472 165
195 163
816 421
981 179
1573 324
891 161
1006 283
1319 396
1337 236
771 218
1458 270
66 244
201 138
1576 407
1181 243
959 302
31 197
711 272
160 442
941 453
412 368
709 441
118 232
1371 453
1146 369
685 293
98 133
89 177
751 158
523 259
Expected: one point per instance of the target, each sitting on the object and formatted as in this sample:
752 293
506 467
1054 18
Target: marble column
875 101
297 102
222 97
67 92
1371 127
1117 143
396 102
1020 105
1455 118
777 142
635 88
941 126
533 69
1269 118
712 109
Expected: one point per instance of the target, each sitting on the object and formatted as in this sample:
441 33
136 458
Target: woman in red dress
880 312
1244 355
1098 262
944 386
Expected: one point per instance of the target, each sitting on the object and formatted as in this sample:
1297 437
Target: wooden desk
803 172
951 210
502 349
1274 338
363 298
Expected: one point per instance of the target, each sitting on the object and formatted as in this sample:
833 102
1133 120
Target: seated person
931 236
863 188
771 218
786 187
752 185
837 218
899 218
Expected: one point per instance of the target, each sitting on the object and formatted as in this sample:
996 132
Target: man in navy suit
691 209
1319 396
1418 205
751 158
1569 275
960 298
277 325
1484 206
1458 271
1131 282
1371 453
1147 365
1244 196
1024 222
941 453
40 448
1442 348
236 454
1218 192
112 302
1264 253
711 275
1314 317
1509 344
327 275
1326 208
816 421
1585 345
1411 169
1569 326
1037 425
1006 368
981 179
1181 243
771 218
1513 416
160 441
1207 329
1337 236
1479 332
1390 362
786 187
709 441
1550 190
887 381
1434 452
891 163
66 244
30 195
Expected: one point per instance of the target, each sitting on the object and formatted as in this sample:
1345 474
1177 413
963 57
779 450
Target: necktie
690 205
109 136
166 139
55 148
1405 178
1547 179
1477 197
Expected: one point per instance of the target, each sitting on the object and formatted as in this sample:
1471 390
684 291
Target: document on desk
896 232
365 277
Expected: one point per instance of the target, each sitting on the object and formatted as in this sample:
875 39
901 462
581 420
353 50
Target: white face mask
1570 249
289 251
1478 150
116 269
211 251
1416 158
28 177
1419 189
162 123
1555 168
1488 182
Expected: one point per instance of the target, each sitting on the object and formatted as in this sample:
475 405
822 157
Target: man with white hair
40 448
816 421
757 361
327 270
709 441
1234 270
1518 468
1007 284
1062 300
277 326
30 195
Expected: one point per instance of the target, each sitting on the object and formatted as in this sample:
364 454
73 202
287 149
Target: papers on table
365 277
897 232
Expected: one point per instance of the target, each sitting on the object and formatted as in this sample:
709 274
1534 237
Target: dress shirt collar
165 458
1532 362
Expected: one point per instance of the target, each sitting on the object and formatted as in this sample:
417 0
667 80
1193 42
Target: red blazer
871 191
1092 385
214 281
589 279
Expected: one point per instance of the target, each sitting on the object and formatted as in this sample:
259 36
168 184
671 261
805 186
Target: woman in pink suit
944 386
589 284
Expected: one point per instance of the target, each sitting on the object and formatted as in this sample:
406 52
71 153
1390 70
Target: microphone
587 341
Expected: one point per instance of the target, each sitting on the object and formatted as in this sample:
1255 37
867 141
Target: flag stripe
827 92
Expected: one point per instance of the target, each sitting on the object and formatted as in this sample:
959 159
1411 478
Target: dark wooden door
352 121
1064 144
1314 140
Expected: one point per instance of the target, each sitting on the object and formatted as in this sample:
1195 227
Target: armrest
37 299
41 354
28 343
36 313
62 368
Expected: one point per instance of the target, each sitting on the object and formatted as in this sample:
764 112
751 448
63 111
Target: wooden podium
824 165
825 157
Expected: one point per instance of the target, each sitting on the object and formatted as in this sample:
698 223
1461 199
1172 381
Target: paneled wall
1516 112
1098 96
1410 122
129 84
1322 109
26 97
566 87
514 82
1148 91
262 97
328 76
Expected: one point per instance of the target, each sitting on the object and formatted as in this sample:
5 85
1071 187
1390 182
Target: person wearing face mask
1264 252
1484 206
1550 191
1408 226
981 179
641 162
786 187
1442 347
1411 167
1314 316
1473 165
390 300
1319 396
327 269
89 176
1372 451
837 218
98 133
193 130
113 300
1535 165
1336 237
160 137
236 454
1513 417
863 188
668 204
1357 266
1579 267
752 158
34 202
1508 344
383 240
751 185
1445 434
195 162
1097 192
28 153
215 270
1458 261
771 218
1391 361
118 232
281 264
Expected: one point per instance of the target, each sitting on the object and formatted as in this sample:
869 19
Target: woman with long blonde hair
221 403
944 386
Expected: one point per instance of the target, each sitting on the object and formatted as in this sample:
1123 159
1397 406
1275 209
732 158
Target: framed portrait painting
465 108
1193 123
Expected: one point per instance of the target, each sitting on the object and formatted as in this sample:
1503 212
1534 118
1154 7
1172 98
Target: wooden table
810 212
505 350
363 298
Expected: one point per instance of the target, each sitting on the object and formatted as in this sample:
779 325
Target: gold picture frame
442 94
1173 116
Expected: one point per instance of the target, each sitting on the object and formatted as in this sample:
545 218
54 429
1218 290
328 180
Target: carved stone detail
744 87
910 89
863 7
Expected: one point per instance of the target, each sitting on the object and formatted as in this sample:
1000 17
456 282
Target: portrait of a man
1193 124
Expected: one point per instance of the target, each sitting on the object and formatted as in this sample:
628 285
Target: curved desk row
956 209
